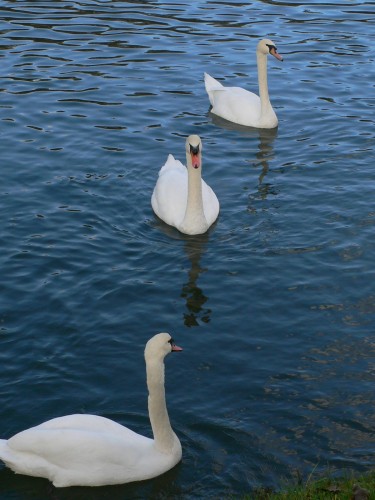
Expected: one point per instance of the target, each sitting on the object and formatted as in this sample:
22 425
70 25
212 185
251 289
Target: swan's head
159 346
266 47
194 150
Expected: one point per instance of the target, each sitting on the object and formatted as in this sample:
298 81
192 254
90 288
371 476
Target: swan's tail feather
3 449
212 85
170 164
170 160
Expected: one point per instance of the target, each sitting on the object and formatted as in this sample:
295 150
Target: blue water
274 306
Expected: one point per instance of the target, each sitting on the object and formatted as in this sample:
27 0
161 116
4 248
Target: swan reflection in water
195 247
265 153
193 294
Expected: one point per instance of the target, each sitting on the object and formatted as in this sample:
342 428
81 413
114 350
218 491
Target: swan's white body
241 106
181 198
89 450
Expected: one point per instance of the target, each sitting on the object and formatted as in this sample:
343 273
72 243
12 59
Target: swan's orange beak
273 51
176 348
195 161
195 156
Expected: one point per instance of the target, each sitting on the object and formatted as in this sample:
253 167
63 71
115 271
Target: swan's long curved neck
194 214
161 427
262 81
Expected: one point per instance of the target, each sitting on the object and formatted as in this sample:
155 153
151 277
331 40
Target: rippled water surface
274 307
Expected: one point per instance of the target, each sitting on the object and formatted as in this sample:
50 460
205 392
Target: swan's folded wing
68 448
237 105
69 457
170 193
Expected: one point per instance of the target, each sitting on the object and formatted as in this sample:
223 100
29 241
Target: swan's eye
171 341
270 47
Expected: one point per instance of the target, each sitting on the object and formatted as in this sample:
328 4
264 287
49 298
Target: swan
90 450
241 106
181 198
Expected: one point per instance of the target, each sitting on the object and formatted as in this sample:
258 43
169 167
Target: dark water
275 306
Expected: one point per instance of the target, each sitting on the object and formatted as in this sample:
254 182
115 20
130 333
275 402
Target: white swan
89 450
181 198
241 106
